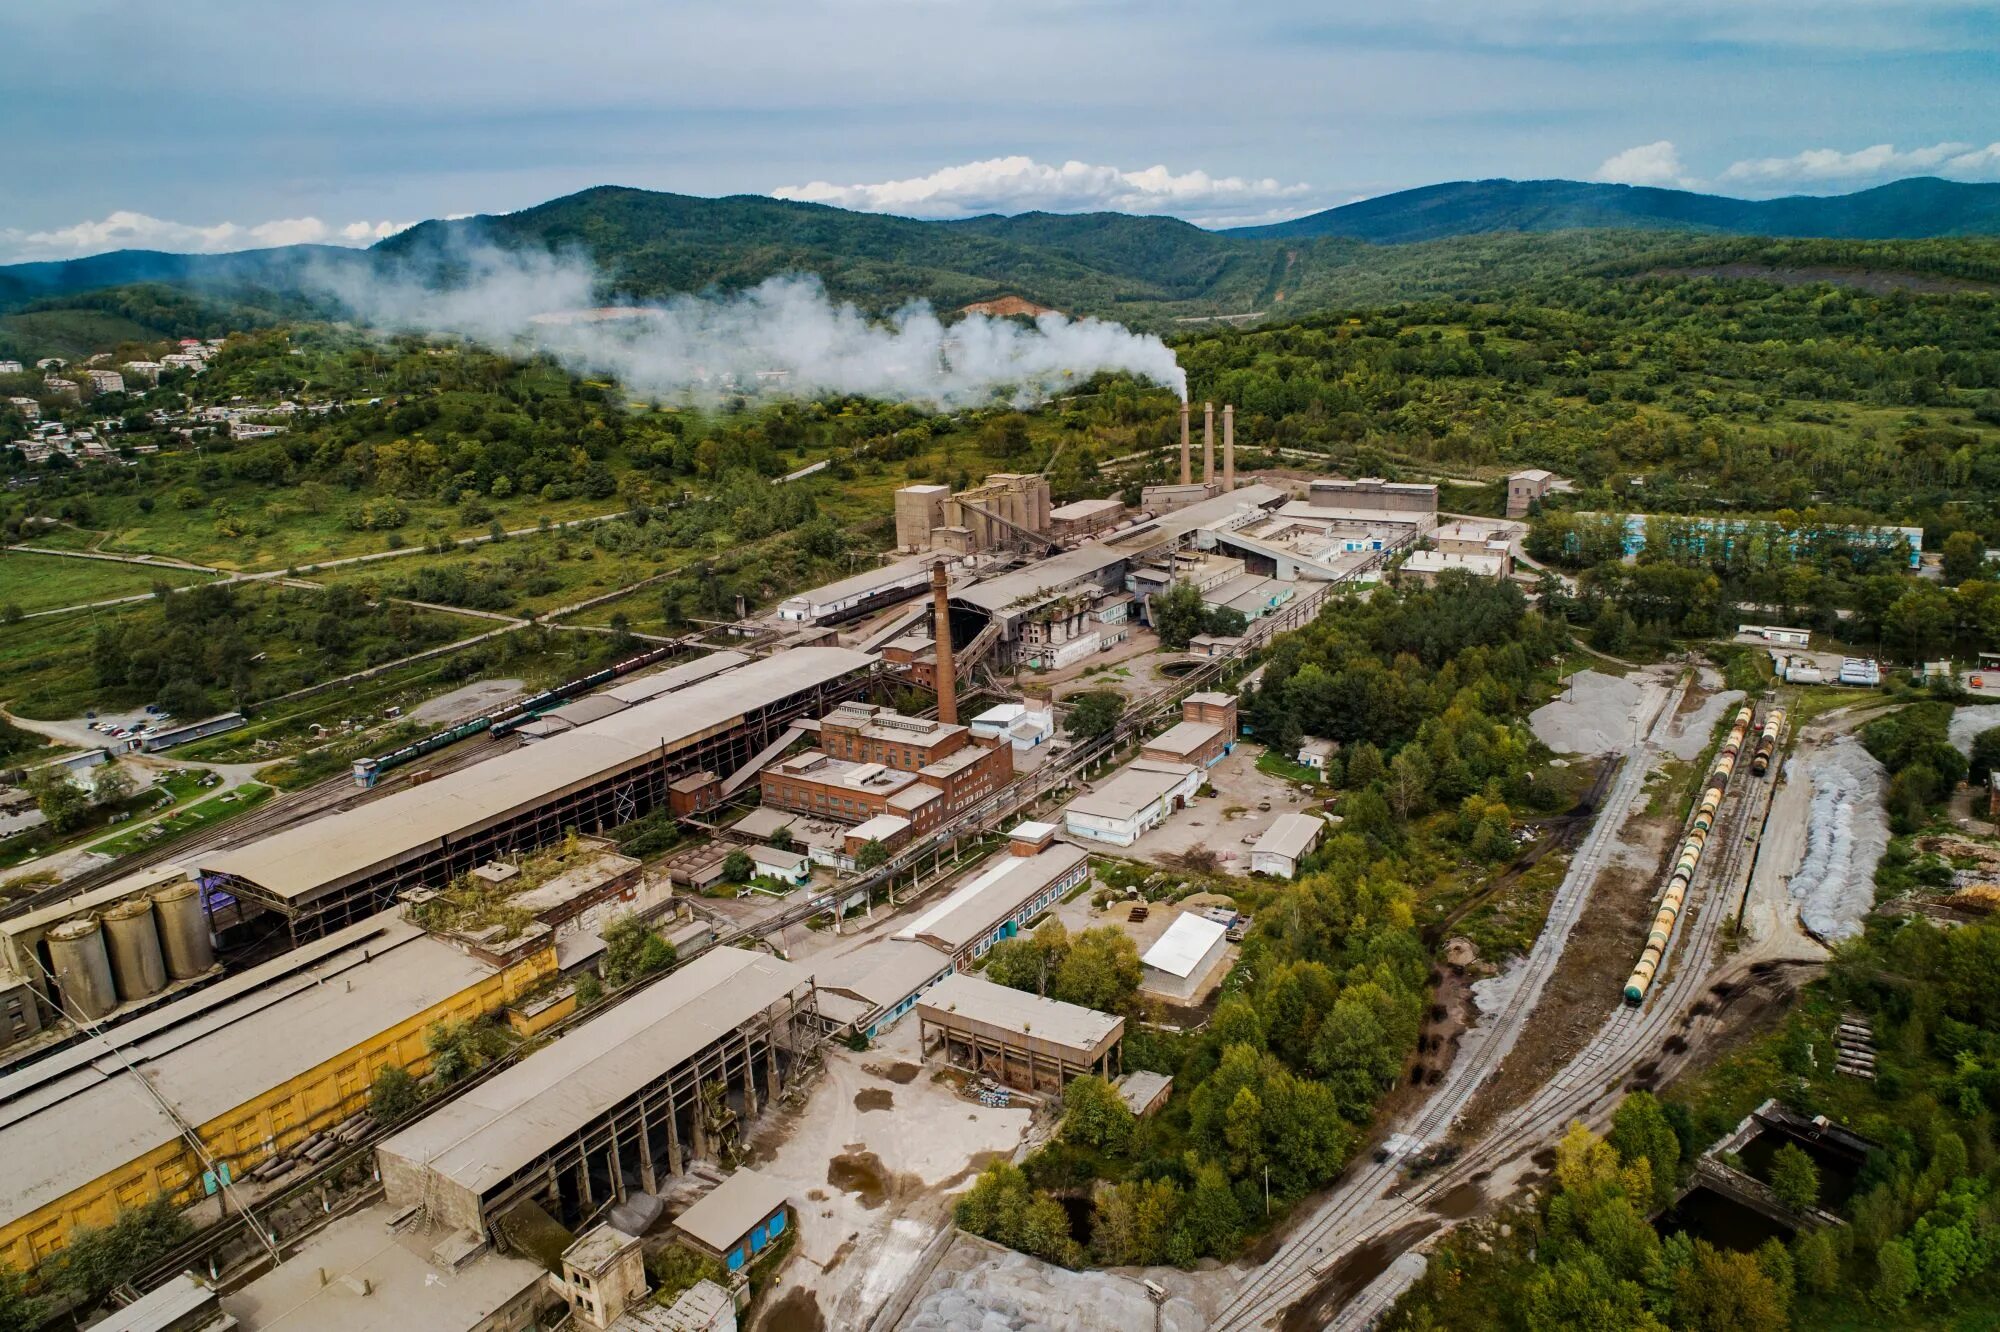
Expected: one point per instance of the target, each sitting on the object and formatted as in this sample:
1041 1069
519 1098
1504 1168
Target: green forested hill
1150 271
1904 209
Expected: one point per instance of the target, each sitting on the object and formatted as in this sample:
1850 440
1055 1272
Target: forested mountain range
1154 272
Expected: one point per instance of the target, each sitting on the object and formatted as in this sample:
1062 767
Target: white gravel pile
1693 730
955 1311
1968 722
1846 832
1593 716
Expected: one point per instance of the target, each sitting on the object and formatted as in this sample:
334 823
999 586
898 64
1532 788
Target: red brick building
873 763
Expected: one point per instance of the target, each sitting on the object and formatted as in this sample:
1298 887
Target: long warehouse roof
1017 1011
79 1113
485 1136
301 862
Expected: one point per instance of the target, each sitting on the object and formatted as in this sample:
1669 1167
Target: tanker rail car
1689 860
1767 743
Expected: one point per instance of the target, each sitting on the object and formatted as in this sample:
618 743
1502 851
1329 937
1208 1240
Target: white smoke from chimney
710 345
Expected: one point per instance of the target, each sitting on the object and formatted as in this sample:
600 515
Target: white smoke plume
784 336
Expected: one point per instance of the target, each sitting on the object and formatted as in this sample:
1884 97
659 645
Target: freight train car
1688 862
1767 743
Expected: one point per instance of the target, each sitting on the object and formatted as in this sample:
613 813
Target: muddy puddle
903 1074
861 1174
1350 1276
874 1098
798 1311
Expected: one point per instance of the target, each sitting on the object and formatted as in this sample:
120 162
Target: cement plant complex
427 1046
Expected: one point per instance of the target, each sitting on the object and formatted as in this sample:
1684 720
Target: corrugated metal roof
69 1118
1137 785
1014 1010
301 862
1184 945
992 895
882 974
1290 835
726 1212
1184 737
485 1136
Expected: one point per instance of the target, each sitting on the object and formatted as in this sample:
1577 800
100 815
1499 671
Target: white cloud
1878 160
1648 164
128 230
1021 184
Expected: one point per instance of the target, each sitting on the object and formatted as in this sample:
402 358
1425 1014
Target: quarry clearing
1602 714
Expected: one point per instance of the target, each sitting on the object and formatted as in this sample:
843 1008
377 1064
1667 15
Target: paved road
1349 1212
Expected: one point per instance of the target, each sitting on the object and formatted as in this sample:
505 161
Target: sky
232 124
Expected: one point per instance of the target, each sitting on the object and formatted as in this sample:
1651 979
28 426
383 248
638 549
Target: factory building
737 1219
1205 733
1137 798
1372 496
1018 1039
628 693
1280 847
1002 896
1525 489
1005 510
873 763
1424 566
852 598
250 1066
1181 960
322 874
868 991
1752 541
615 1106
1085 518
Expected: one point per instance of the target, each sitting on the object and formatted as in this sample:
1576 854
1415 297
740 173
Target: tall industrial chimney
947 664
1229 446
1208 444
1187 467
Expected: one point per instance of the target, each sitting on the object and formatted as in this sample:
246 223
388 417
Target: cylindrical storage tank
184 936
134 944
82 969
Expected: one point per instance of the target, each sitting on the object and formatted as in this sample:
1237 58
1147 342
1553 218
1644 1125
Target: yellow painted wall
264 1125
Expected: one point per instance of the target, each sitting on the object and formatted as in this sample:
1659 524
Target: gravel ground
1846 833
468 700
1968 722
1693 730
1597 714
980 1287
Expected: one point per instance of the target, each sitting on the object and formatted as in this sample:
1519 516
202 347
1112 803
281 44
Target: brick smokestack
947 665
1208 444
1229 446
1187 462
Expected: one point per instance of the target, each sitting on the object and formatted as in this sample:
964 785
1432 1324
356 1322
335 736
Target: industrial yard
689 962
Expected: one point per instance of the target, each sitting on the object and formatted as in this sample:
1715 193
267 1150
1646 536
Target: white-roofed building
999 899
1289 839
737 1219
1180 961
1140 796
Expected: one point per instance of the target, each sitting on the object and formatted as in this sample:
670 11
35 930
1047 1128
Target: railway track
1630 1036
1296 1269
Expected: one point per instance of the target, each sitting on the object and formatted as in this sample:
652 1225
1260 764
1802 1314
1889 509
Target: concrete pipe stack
1767 743
1689 861
82 969
134 942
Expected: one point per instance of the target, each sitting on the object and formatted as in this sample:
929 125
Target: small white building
105 381
1316 753
1015 723
1289 839
1180 960
10 368
1140 796
793 867
1773 633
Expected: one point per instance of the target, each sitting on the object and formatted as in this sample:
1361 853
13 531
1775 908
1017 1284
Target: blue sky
225 124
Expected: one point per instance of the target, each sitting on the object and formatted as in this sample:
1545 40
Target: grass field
181 822
43 582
